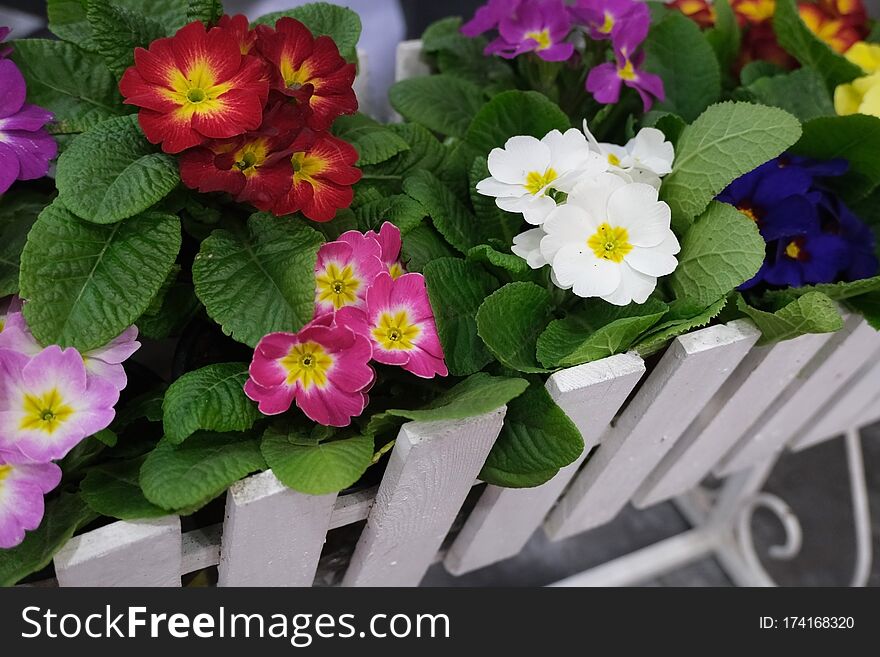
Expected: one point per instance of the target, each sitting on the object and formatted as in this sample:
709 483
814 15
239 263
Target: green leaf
179 305
422 245
678 52
207 11
112 172
680 319
512 264
399 209
512 113
18 212
478 394
793 35
855 138
116 32
67 18
147 406
725 36
802 93
75 85
326 467
834 291
425 152
726 141
261 282
113 490
721 251
374 142
753 71
536 440
86 283
462 57
323 19
441 103
596 330
495 222
510 320
456 290
188 476
208 398
450 216
868 306
64 516
811 313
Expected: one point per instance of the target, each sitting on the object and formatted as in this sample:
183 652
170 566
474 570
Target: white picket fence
714 403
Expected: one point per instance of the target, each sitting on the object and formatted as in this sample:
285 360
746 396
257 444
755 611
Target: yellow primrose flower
865 55
861 96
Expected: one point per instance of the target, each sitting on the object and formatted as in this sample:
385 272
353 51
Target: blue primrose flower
812 236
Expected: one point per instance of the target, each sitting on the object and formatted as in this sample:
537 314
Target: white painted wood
431 470
409 62
823 375
505 518
843 409
758 380
353 507
272 535
201 548
125 553
361 84
687 376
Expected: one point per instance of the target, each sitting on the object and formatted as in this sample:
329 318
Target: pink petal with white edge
113 373
119 349
331 410
363 244
21 498
17 336
270 401
351 371
390 241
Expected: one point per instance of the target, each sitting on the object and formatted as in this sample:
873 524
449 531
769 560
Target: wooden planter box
712 404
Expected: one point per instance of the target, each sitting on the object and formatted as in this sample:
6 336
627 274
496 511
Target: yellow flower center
395 332
608 25
757 10
308 364
5 471
610 242
396 270
627 72
338 286
613 160
792 250
748 212
537 181
44 412
294 78
542 37
306 167
195 90
251 156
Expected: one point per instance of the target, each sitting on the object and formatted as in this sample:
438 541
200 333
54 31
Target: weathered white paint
409 62
504 518
201 548
124 553
272 535
758 380
843 409
353 507
687 376
823 375
361 83
432 467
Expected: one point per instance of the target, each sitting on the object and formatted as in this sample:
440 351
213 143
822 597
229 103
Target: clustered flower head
50 400
367 308
600 224
249 112
551 28
812 236
862 95
25 147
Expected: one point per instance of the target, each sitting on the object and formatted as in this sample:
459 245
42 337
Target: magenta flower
22 487
344 270
540 27
488 16
25 147
390 242
48 404
625 22
605 80
400 323
324 368
103 363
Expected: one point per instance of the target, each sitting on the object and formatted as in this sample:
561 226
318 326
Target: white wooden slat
844 409
431 470
409 62
505 518
272 535
125 553
870 414
758 380
826 372
201 548
361 85
687 376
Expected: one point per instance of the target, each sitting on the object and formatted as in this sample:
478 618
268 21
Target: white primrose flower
527 246
528 173
612 240
645 158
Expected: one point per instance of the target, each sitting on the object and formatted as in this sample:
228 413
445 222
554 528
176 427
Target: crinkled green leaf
260 282
179 305
324 19
112 172
754 71
802 93
374 142
510 320
512 113
511 263
401 210
811 313
117 31
725 35
425 152
18 212
441 103
680 319
207 11
834 291
67 18
190 475
720 251
495 222
422 245
209 398
114 490
536 440
86 283
726 141
456 290
596 330
868 305
679 53
450 216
